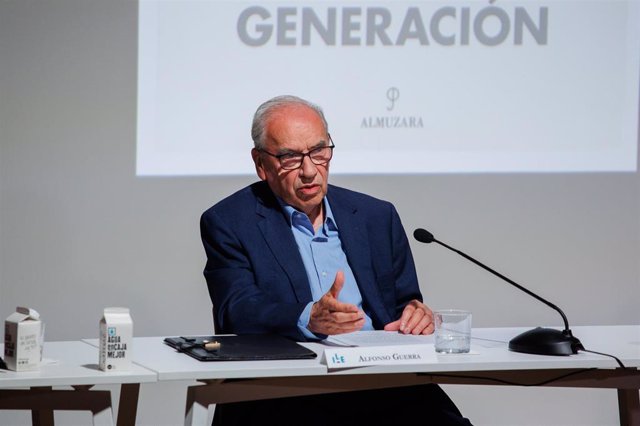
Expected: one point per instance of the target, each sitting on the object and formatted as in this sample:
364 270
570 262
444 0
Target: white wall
78 230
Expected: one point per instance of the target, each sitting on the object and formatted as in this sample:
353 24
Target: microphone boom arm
542 341
513 283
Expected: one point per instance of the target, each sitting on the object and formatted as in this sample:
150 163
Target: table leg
41 416
42 401
103 417
196 411
629 407
128 405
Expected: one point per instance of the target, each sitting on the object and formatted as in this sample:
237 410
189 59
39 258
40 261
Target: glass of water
453 331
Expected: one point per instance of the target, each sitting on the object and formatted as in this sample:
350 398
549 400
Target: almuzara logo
391 122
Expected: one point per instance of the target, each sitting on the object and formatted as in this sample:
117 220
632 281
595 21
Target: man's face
298 129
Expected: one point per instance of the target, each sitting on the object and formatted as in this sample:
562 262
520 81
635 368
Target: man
295 256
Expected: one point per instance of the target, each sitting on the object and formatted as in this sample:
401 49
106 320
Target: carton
116 334
23 340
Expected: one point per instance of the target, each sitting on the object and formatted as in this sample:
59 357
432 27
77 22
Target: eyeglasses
293 160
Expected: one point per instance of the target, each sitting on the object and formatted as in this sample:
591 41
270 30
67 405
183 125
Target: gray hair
266 110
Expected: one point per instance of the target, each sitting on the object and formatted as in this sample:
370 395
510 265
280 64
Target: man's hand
330 316
416 318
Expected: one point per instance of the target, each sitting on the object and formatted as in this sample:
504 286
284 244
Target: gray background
79 231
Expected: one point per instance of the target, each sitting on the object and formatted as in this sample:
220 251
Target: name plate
347 357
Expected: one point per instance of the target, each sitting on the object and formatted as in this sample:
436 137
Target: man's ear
257 161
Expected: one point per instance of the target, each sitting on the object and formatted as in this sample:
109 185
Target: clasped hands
330 316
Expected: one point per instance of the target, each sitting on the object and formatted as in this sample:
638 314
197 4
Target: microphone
541 341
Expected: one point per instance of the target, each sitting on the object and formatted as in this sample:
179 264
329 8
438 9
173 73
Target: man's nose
308 168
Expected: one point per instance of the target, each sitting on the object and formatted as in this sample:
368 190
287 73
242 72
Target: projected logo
392 121
393 94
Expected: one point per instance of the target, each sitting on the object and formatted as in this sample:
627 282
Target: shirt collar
292 214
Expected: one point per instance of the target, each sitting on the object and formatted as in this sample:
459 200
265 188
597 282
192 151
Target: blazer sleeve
407 287
248 296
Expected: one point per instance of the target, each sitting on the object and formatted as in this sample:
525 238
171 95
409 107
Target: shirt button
324 273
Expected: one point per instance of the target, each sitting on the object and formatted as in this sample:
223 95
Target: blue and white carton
116 335
23 340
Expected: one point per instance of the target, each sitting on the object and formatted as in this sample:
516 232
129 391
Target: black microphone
542 341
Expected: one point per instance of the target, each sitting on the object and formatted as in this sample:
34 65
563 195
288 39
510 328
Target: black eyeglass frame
308 154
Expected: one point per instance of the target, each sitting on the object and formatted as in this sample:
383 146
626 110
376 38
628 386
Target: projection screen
407 87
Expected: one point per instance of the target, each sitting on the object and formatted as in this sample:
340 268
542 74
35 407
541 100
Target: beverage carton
116 334
23 340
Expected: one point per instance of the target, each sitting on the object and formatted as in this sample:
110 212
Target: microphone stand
541 341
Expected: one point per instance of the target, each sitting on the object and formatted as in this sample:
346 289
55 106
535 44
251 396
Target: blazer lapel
278 236
355 242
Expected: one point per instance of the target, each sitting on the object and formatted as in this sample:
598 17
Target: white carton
116 335
23 339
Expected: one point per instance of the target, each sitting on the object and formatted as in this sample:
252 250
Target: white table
152 353
493 364
76 366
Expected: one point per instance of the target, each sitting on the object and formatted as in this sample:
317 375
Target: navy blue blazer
254 271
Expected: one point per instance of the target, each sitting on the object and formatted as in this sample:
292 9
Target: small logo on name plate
337 359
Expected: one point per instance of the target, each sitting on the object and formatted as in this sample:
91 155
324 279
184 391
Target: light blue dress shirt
323 257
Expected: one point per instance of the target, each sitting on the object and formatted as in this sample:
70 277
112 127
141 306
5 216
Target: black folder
247 347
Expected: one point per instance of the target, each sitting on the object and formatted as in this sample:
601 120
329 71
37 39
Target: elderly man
295 256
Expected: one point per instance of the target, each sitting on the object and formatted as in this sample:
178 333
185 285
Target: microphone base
546 341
